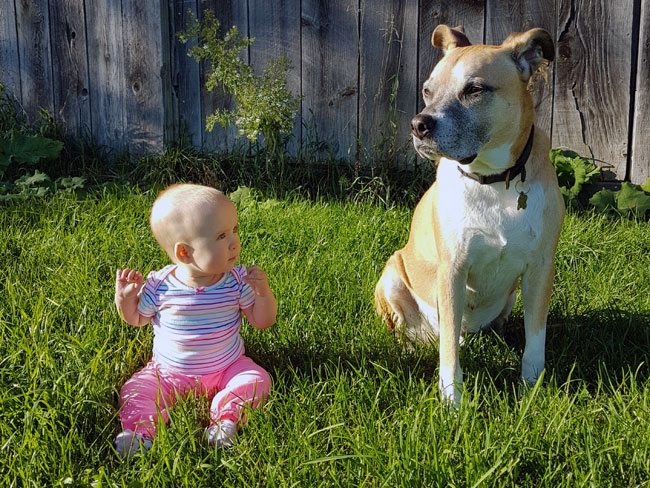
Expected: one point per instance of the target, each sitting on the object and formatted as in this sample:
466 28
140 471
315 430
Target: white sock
222 434
128 443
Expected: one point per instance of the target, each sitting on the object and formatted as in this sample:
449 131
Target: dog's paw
529 388
451 392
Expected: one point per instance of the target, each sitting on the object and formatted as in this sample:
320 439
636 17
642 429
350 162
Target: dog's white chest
484 220
497 236
490 238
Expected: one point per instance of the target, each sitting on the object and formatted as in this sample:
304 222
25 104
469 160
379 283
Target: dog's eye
426 92
474 89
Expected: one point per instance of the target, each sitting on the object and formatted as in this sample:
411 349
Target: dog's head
478 106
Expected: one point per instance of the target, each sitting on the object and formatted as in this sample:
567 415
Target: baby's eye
236 229
221 236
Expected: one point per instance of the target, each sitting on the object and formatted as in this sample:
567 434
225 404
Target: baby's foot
127 443
222 434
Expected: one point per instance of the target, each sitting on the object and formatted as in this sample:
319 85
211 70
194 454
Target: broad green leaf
632 197
563 168
646 186
28 149
573 171
604 200
241 196
35 180
71 183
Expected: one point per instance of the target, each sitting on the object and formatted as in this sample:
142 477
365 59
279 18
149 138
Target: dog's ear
530 50
447 38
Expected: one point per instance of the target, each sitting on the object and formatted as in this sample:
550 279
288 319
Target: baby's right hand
127 284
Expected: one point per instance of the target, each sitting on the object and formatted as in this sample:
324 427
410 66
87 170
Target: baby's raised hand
258 281
127 284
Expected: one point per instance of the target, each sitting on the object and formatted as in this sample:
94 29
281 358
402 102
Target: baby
195 306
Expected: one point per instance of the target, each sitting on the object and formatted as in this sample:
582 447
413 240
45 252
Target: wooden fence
113 69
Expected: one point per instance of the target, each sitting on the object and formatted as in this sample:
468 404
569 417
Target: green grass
350 406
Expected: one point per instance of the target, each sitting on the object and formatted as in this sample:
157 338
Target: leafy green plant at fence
21 151
39 184
577 177
634 199
264 105
26 150
575 174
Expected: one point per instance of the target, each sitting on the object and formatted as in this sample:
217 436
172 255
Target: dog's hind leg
395 303
498 323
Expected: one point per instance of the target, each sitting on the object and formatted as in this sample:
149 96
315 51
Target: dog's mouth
430 149
425 150
466 161
434 154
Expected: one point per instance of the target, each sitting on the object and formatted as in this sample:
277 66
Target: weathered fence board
185 79
9 65
70 67
115 70
592 82
32 25
144 105
387 78
106 72
330 40
640 170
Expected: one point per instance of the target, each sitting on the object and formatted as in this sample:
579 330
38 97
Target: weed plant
350 405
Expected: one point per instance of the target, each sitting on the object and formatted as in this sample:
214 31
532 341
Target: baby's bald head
180 210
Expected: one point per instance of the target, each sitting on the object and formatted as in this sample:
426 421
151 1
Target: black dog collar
511 172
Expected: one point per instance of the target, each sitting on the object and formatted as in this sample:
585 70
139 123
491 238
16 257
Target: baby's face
215 241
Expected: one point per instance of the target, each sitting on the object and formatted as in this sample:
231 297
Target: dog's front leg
536 285
451 303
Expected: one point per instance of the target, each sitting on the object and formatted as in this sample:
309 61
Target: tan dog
493 215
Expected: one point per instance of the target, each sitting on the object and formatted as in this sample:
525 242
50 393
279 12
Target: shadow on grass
603 346
611 341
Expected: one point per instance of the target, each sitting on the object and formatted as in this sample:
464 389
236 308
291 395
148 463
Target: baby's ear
182 252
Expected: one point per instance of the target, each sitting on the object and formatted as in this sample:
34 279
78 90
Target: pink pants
150 391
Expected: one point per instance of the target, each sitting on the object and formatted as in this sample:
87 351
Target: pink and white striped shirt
196 330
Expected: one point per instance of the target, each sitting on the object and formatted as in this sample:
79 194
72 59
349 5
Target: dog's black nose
421 125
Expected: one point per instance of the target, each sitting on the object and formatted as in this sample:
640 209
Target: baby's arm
127 285
262 313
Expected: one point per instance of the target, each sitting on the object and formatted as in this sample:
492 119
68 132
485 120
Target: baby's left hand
258 281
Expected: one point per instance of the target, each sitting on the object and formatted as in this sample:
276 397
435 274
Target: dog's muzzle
423 127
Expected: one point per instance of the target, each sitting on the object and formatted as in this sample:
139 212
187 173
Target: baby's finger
253 270
122 274
134 276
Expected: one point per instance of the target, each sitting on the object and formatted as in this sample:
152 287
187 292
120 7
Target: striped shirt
196 330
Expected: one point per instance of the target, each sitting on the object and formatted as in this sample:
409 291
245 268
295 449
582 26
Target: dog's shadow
600 345
587 349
